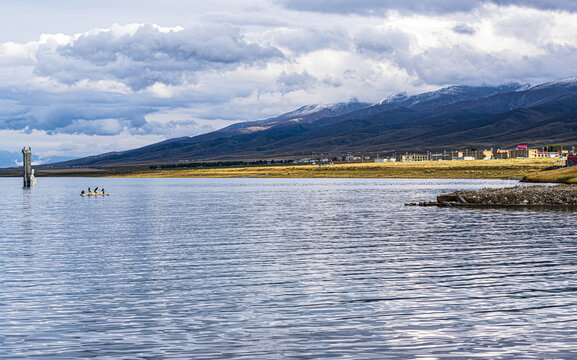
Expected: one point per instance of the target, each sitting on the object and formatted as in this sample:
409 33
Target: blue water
280 268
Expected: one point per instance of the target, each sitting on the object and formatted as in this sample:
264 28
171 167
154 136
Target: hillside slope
454 117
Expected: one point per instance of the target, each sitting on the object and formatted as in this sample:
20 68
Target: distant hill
449 118
12 159
8 159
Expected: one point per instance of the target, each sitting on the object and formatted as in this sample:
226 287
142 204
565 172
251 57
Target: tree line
216 164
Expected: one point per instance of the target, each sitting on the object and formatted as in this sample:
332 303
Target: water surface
280 268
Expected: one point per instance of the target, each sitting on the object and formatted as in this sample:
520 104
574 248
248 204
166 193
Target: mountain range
455 117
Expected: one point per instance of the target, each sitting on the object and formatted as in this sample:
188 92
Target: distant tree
553 148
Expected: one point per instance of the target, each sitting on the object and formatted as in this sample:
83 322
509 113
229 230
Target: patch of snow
394 98
567 82
524 87
451 94
331 109
450 90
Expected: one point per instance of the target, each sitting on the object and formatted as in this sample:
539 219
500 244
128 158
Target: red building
571 160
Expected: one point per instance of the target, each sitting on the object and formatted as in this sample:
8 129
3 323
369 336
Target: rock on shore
560 195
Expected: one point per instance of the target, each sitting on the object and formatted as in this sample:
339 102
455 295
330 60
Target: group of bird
94 192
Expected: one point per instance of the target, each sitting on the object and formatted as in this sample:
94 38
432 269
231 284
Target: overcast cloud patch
464 29
150 55
302 39
377 7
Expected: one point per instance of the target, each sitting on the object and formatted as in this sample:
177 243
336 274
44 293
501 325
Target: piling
27 164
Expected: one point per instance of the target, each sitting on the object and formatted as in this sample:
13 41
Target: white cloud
161 90
144 55
299 40
49 145
13 54
376 7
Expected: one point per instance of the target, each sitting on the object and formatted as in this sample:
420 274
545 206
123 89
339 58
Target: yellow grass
502 169
564 175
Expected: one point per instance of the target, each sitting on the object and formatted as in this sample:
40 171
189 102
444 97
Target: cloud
464 29
300 40
566 5
13 54
150 55
296 80
383 42
75 112
53 147
378 7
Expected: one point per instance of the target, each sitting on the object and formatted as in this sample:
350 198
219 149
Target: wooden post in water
27 164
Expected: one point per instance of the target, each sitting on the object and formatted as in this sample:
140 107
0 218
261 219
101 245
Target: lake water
280 268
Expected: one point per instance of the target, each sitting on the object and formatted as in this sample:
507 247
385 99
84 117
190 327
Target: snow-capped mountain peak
567 82
448 95
322 110
394 98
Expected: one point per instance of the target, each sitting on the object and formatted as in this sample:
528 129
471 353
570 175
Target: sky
80 77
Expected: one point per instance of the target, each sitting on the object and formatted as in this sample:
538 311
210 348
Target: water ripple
280 268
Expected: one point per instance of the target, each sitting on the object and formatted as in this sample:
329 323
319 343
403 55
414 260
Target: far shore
482 169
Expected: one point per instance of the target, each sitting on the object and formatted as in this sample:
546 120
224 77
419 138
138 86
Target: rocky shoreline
518 196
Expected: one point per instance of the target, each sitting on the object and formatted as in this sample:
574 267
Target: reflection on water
274 268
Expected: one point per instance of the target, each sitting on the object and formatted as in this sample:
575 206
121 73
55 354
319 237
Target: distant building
571 160
547 154
478 154
523 153
414 157
440 157
500 154
519 152
456 154
384 160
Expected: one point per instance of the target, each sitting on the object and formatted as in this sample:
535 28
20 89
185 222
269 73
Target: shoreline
489 169
478 169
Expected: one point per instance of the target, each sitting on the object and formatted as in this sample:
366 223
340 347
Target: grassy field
501 169
564 175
